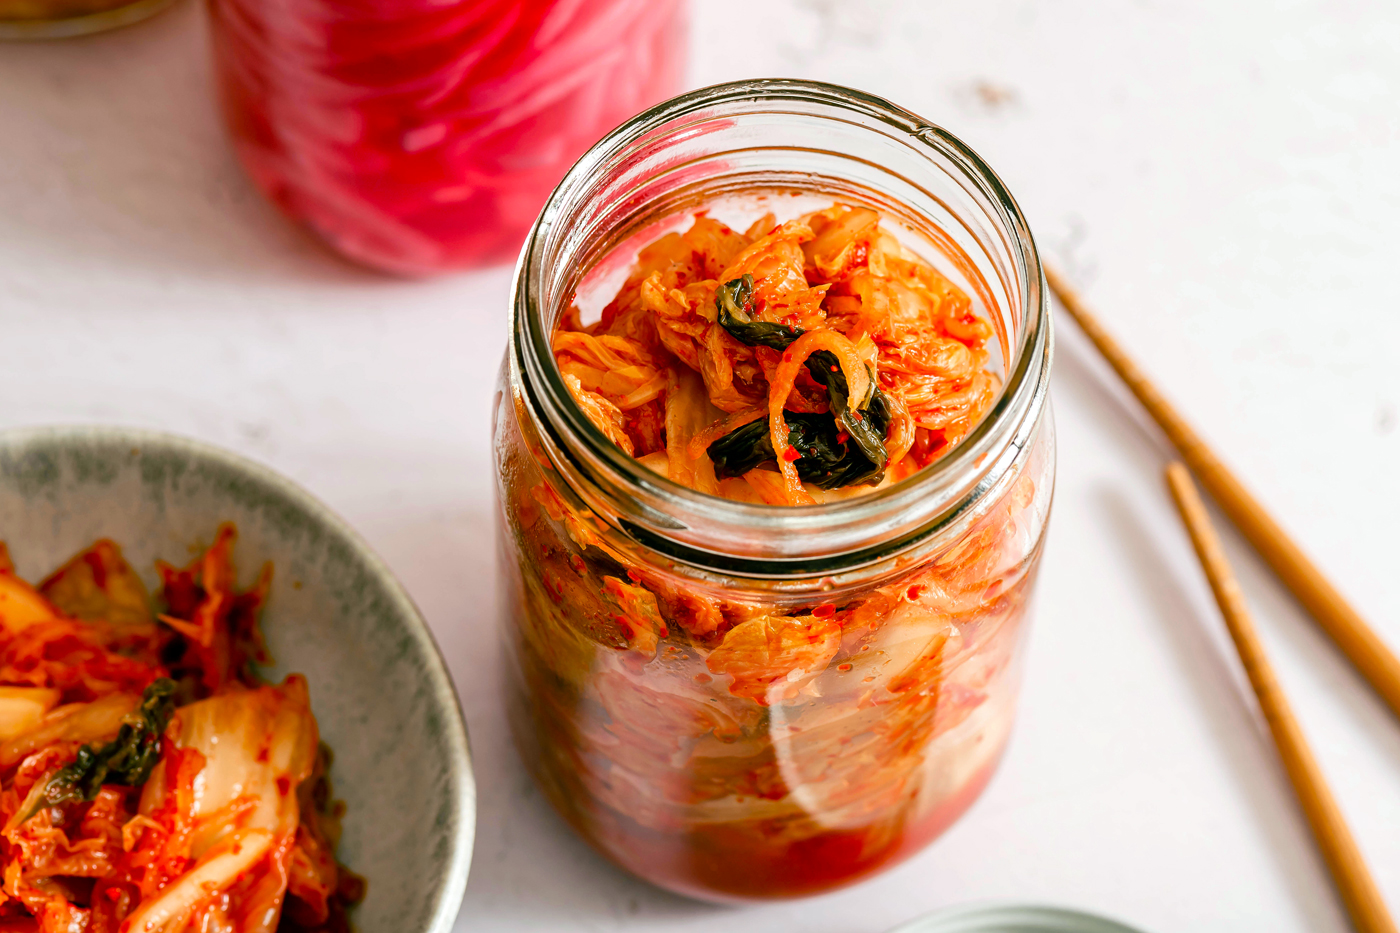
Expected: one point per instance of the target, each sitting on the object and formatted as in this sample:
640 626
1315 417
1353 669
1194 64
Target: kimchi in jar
775 461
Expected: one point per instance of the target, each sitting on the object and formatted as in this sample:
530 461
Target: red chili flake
576 563
842 437
824 611
856 415
634 576
284 785
759 304
836 369
792 454
99 570
843 667
914 592
787 356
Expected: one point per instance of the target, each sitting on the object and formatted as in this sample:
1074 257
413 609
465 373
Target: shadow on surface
1230 713
114 154
1080 370
1291 623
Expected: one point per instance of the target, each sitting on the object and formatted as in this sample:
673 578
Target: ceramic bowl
379 688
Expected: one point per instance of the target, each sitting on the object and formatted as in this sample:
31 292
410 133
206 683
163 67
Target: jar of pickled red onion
418 136
734 679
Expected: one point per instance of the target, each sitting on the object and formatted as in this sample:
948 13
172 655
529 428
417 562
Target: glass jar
422 135
58 19
740 701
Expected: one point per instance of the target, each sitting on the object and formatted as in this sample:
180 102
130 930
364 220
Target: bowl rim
454 881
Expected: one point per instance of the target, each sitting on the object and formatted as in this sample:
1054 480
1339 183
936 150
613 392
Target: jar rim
781 541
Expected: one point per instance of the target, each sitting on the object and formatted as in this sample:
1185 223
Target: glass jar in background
58 19
740 701
418 136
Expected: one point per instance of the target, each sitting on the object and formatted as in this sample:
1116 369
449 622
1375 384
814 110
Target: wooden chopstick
1343 624
1349 873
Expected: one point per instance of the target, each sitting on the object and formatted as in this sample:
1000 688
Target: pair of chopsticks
1333 614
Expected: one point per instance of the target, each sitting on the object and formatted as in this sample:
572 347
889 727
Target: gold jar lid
61 19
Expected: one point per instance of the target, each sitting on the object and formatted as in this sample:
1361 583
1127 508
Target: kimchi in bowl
379 690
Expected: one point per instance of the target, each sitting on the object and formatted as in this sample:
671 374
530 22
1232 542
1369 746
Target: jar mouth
614 189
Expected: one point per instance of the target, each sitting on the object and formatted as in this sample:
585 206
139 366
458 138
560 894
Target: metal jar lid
1012 918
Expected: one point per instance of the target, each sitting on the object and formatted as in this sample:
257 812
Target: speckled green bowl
379 688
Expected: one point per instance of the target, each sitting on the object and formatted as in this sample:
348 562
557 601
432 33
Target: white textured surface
1222 180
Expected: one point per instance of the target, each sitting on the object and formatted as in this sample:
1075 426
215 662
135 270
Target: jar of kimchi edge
884 631
420 136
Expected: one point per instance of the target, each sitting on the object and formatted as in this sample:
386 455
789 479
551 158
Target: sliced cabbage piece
21 605
221 867
258 747
21 708
98 584
76 722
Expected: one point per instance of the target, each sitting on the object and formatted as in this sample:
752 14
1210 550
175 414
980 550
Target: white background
1223 180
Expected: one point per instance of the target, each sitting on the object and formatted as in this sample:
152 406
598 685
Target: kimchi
784 364
736 725
150 781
